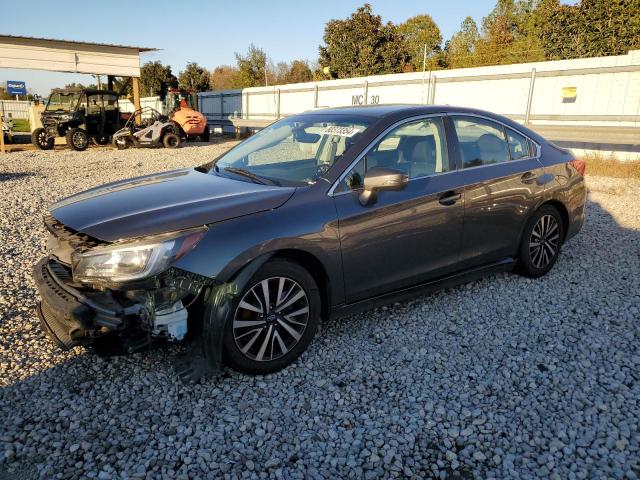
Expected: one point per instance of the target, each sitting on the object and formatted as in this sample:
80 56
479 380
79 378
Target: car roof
393 112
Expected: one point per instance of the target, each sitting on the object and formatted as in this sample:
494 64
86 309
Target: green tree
509 35
589 29
460 50
362 45
224 77
252 68
417 32
194 78
156 79
297 71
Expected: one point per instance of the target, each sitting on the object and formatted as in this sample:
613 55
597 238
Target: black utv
79 116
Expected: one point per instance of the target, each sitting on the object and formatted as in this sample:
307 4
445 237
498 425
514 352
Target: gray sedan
318 215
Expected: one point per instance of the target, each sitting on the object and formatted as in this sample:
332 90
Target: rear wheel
77 139
102 140
41 140
273 320
541 242
171 140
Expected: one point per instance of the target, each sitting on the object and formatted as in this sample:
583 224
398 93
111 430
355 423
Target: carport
73 57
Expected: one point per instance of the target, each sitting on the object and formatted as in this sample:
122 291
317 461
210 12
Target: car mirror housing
380 178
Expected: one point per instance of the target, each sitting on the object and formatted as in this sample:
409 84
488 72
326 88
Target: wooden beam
136 97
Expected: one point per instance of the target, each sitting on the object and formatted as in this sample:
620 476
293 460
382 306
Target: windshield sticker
340 131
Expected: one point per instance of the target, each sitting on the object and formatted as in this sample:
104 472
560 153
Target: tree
588 29
194 78
417 32
460 50
509 35
362 45
297 71
156 79
224 77
252 68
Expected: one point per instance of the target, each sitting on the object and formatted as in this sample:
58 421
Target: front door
404 237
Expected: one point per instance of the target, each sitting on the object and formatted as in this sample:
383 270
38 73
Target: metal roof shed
70 56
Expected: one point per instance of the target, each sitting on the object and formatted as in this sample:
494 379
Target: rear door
503 180
406 237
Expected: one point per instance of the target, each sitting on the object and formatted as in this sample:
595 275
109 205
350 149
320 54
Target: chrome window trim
375 141
504 125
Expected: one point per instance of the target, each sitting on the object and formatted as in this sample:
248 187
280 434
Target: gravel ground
502 378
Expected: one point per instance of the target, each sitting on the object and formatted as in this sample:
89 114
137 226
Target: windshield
62 101
294 151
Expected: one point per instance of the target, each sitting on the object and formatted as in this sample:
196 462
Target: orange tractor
180 106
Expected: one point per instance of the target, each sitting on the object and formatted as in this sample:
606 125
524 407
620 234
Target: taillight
579 165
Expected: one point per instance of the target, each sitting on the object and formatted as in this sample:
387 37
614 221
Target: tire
77 139
121 144
541 242
103 140
247 346
206 135
40 139
171 140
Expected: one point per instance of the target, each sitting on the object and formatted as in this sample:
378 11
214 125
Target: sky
205 31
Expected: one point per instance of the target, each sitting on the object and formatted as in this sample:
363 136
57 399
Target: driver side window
416 148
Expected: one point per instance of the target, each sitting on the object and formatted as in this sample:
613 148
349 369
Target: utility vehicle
80 116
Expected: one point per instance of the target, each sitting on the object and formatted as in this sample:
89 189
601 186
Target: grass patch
598 165
21 125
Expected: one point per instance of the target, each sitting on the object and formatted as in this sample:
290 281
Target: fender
205 358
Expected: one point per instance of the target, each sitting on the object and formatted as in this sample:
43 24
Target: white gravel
502 378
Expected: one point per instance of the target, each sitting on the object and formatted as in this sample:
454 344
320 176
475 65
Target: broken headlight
123 262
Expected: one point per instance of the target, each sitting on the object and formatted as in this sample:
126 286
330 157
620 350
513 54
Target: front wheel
171 140
121 143
41 140
77 139
541 242
273 320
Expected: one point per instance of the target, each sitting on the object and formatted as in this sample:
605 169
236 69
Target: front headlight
133 261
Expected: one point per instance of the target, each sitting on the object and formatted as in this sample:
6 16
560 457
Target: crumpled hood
164 202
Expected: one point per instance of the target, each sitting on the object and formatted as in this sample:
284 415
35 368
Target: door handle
449 198
528 177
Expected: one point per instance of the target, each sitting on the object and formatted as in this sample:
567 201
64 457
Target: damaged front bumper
135 315
75 316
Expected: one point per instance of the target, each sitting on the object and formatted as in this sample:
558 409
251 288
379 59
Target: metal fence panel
17 108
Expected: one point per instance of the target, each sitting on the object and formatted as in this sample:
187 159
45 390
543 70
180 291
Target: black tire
206 135
171 140
103 140
77 139
541 242
271 272
122 144
40 139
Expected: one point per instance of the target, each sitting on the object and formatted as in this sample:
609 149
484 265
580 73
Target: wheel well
317 271
564 214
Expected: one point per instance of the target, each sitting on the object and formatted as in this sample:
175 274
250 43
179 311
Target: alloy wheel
270 319
544 241
79 140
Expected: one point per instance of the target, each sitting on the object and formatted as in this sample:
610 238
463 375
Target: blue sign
16 88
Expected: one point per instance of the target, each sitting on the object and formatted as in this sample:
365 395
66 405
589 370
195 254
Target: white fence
596 91
17 108
582 93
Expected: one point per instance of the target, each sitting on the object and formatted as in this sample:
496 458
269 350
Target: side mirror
380 178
